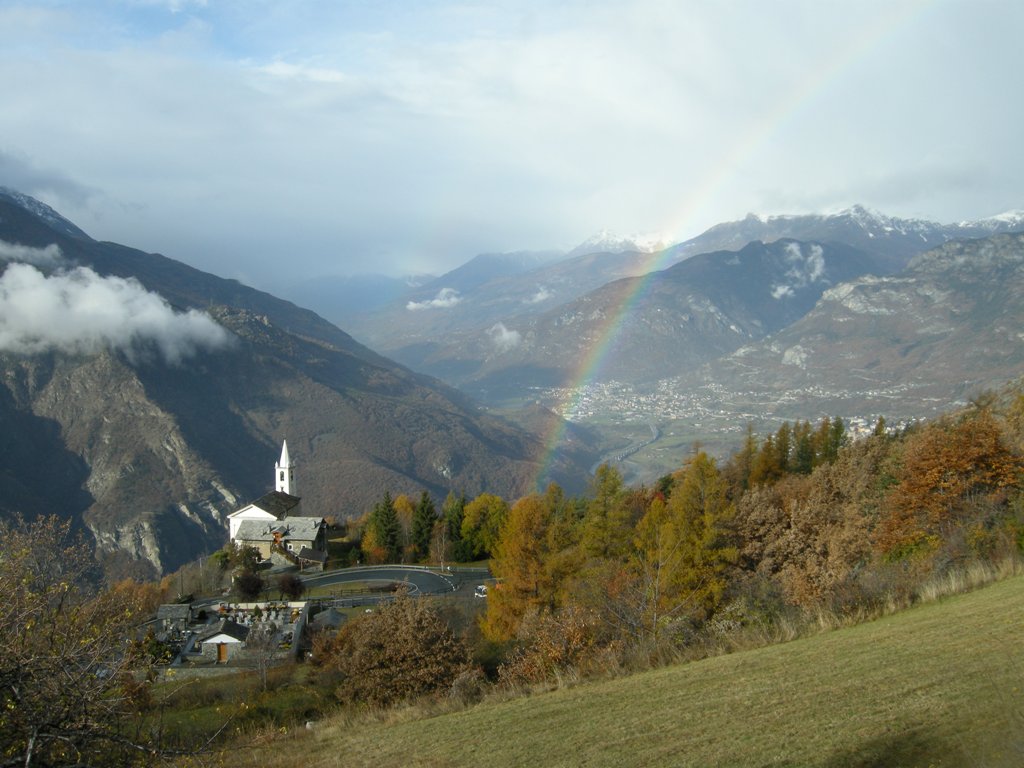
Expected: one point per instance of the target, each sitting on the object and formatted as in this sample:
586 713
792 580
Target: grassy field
939 685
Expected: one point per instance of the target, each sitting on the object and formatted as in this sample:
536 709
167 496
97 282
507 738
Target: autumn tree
643 597
482 520
519 565
68 675
400 651
701 514
607 527
737 469
953 473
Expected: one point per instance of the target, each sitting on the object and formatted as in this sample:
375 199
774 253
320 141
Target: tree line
803 519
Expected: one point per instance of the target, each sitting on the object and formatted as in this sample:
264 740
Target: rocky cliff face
136 484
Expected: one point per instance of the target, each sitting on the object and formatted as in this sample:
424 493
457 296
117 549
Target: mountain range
654 316
145 400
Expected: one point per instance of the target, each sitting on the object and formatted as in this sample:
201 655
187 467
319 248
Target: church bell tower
284 473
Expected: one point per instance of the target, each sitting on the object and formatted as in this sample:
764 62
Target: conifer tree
606 525
519 565
386 528
701 515
423 519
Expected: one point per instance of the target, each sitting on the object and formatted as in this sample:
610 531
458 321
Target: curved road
422 581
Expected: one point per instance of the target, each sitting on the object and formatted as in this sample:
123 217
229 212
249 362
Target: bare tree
261 648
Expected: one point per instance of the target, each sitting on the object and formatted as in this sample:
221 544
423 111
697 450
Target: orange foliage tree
954 472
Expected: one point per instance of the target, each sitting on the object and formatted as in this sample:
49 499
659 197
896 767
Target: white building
277 518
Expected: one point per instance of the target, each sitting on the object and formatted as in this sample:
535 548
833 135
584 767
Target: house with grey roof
293 534
275 520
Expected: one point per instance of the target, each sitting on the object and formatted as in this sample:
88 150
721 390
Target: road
420 580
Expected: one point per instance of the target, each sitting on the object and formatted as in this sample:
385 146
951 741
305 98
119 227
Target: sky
281 141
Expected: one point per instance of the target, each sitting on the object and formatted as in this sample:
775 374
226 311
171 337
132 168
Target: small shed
223 640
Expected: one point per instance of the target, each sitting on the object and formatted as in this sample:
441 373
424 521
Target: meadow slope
941 684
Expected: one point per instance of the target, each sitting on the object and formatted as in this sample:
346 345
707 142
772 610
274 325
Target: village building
274 522
223 640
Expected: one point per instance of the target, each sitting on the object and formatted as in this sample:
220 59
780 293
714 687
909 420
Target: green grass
938 685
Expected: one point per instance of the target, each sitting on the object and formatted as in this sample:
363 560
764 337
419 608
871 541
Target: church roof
277 503
300 528
285 461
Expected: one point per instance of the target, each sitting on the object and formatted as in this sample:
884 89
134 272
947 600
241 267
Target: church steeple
284 473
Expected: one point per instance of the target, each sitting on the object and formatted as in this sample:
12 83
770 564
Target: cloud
445 299
503 338
804 269
20 173
453 128
81 312
50 256
542 294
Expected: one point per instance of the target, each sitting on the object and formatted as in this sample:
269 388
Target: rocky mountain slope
147 422
946 328
656 326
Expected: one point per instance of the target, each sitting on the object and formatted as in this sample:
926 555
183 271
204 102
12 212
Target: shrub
400 651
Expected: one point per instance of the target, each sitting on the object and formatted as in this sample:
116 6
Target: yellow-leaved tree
519 565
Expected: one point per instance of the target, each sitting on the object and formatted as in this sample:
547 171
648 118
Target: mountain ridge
155 451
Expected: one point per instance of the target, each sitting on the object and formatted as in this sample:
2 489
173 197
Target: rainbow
696 204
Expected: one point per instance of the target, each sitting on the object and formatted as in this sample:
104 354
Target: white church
275 520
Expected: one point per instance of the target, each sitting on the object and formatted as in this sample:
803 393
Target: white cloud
81 312
49 256
445 299
418 139
502 338
542 294
805 269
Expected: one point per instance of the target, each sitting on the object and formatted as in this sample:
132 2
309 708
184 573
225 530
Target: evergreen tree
423 519
386 528
803 448
452 515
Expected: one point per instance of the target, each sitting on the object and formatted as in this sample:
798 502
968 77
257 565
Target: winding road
421 580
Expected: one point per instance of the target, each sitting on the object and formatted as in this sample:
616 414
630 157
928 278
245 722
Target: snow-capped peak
606 241
43 211
1001 221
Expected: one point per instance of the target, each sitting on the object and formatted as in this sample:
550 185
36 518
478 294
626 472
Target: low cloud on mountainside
81 312
50 256
446 297
805 269
503 338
